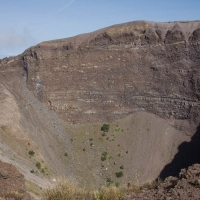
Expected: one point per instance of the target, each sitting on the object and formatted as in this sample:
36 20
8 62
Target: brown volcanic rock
173 36
186 186
12 183
195 36
149 37
139 65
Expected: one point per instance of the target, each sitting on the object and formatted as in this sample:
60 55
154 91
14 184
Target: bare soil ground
139 146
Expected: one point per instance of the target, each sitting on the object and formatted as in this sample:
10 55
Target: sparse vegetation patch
69 191
104 156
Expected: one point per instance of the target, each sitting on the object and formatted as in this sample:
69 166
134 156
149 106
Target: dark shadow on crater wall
188 154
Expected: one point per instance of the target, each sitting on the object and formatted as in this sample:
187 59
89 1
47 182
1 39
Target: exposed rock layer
116 71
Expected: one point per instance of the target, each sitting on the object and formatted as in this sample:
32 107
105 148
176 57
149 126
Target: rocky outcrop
12 183
186 186
174 36
195 36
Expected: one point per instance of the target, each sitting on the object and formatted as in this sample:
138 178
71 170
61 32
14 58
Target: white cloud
13 43
11 38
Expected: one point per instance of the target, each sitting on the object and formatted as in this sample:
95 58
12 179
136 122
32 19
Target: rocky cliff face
116 71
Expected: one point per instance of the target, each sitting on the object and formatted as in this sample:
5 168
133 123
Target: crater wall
117 71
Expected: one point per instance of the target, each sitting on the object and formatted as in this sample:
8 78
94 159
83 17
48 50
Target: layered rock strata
116 71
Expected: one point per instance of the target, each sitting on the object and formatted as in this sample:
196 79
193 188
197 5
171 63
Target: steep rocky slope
185 186
27 125
141 77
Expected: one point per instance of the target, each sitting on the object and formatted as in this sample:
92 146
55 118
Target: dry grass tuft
108 193
66 190
17 195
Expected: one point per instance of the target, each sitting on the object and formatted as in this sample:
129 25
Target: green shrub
119 174
81 134
105 153
66 154
32 171
105 127
104 156
109 181
117 184
122 167
38 165
31 153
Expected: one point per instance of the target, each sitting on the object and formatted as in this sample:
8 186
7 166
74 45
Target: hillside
141 77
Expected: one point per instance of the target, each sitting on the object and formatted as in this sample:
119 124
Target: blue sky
27 23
